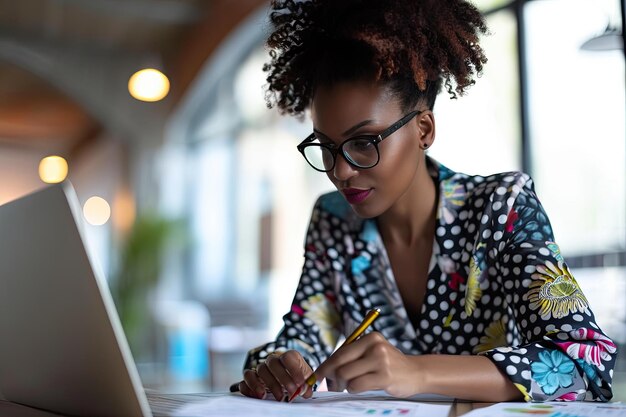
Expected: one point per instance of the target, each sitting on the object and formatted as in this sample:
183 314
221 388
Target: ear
426 126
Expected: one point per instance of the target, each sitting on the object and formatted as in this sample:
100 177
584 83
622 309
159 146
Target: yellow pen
369 319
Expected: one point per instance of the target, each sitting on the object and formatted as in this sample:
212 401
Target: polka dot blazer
497 286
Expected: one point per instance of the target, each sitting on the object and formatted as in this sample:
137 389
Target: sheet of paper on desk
379 395
323 404
551 409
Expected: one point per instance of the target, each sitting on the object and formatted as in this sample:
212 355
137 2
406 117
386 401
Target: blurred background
196 199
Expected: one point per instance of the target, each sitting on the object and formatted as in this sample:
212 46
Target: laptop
62 347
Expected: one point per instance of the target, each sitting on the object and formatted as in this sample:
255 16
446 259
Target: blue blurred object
188 359
187 326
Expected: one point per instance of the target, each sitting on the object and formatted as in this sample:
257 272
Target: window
486 5
479 133
576 115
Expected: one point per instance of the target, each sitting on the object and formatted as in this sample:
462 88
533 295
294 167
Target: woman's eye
362 145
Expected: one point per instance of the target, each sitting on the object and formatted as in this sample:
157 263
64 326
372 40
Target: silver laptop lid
62 347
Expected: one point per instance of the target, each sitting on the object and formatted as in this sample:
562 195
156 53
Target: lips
355 195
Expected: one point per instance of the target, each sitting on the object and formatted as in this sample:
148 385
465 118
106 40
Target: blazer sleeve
564 355
313 326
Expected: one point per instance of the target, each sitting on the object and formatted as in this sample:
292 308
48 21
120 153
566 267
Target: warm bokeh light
124 211
97 211
53 169
149 85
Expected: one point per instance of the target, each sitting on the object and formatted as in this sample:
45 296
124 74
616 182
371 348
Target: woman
477 301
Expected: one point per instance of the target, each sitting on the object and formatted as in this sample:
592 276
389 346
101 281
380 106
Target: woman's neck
412 219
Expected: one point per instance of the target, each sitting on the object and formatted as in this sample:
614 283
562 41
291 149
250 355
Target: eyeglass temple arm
397 125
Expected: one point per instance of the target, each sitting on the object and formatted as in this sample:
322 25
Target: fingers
270 380
362 383
297 367
356 367
335 385
252 385
284 374
348 354
308 393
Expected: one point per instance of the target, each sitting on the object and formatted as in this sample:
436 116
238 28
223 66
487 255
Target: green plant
138 271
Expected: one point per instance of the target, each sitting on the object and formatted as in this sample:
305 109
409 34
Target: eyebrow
350 130
357 126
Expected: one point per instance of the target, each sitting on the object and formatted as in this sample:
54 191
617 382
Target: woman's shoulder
466 185
508 183
497 186
464 196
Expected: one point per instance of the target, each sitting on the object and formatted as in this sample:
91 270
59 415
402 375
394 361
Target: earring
425 146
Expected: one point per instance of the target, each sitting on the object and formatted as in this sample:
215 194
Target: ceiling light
53 169
149 85
97 211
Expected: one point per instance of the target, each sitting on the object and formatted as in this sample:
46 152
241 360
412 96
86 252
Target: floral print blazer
497 286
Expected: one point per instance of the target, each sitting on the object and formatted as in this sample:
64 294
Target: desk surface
163 404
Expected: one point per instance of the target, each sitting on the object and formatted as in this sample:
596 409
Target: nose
343 170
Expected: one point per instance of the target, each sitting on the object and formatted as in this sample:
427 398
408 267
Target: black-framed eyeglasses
360 151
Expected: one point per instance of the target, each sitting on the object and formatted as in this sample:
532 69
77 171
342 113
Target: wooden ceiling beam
160 11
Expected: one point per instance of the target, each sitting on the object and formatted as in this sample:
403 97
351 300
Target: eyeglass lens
360 152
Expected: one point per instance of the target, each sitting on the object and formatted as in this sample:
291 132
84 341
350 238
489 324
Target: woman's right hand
280 374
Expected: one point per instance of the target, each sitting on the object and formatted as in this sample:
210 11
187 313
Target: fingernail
261 394
285 398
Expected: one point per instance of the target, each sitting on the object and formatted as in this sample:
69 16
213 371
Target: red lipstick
355 195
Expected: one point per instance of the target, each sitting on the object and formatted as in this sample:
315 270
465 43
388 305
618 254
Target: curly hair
413 46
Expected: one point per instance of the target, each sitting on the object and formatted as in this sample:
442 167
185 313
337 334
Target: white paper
551 409
323 404
378 395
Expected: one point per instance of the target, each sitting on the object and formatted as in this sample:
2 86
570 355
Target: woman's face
349 109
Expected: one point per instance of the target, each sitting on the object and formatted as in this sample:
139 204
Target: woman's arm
372 363
562 353
474 378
